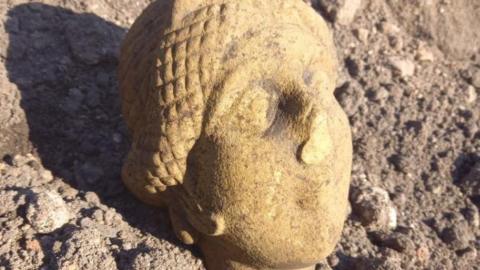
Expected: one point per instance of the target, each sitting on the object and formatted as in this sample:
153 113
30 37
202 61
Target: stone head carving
235 129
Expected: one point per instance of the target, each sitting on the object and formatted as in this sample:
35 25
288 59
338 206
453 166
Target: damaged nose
319 144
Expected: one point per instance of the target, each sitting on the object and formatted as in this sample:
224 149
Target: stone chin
294 238
285 255
315 243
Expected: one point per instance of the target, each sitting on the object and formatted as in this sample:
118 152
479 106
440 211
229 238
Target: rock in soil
47 211
340 11
404 67
374 208
476 78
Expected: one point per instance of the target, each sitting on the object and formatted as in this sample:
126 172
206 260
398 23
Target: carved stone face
276 153
236 131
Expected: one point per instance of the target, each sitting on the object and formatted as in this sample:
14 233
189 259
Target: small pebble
47 211
471 94
476 78
92 197
396 241
425 55
404 67
109 216
98 215
86 222
423 253
47 175
389 28
362 34
127 246
346 12
374 208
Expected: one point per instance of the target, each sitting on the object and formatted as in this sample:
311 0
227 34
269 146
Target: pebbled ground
410 84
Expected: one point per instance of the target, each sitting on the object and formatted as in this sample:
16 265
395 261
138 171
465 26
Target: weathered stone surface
235 129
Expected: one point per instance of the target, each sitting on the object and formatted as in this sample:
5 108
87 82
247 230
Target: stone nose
319 143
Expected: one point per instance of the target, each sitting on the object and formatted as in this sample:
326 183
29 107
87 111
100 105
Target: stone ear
206 222
187 225
182 228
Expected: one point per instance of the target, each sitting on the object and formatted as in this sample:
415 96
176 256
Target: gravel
8 201
84 249
409 82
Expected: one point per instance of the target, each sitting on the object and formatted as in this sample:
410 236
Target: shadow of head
64 65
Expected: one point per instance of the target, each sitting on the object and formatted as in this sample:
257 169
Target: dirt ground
410 84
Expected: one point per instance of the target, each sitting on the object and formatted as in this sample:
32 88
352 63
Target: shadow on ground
64 64
466 175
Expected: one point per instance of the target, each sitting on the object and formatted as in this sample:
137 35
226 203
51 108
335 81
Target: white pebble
405 67
346 13
47 211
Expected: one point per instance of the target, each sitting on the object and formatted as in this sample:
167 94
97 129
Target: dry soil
410 84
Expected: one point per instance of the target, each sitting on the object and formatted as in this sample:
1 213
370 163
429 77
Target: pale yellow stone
233 103
320 144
